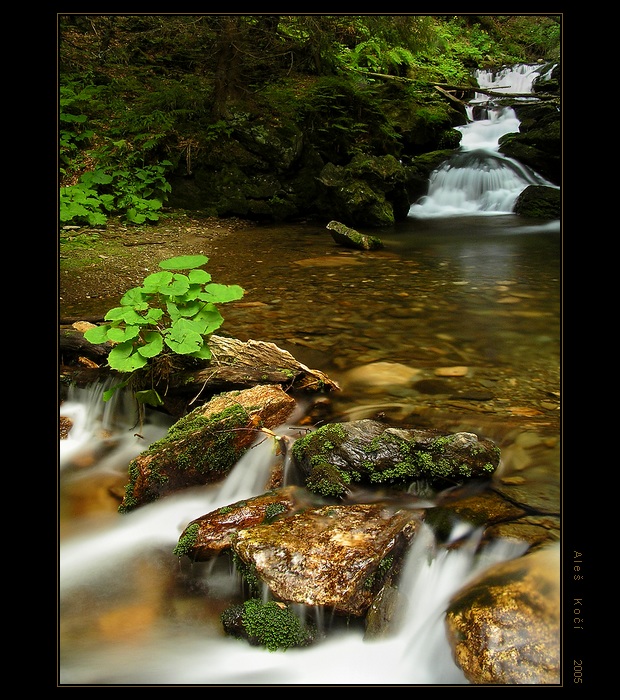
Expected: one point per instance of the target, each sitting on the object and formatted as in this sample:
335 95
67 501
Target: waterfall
479 179
97 563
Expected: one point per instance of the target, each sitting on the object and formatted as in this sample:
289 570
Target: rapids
131 613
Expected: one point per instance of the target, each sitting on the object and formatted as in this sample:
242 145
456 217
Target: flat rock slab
329 556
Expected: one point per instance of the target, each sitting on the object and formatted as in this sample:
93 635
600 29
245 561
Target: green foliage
170 313
74 132
137 90
134 194
377 56
342 118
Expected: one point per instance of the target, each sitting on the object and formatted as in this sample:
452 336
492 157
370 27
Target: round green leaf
135 298
149 396
199 277
97 335
120 335
184 262
154 344
123 359
158 279
221 293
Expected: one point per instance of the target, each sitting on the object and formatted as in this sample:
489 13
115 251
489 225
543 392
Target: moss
220 456
319 442
328 480
197 422
248 574
187 541
325 478
412 463
273 625
380 572
273 510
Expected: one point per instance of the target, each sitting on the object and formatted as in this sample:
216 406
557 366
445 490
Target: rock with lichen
368 452
202 447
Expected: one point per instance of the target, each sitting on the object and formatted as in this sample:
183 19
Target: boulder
335 556
539 202
504 627
205 445
337 455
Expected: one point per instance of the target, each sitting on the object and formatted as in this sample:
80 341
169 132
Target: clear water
470 284
109 634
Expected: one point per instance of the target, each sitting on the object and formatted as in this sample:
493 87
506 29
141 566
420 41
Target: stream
455 324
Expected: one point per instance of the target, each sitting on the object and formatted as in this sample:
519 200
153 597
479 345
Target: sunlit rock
334 556
212 533
504 627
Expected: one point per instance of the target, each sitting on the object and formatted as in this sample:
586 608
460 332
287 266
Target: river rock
202 447
337 455
335 556
539 202
377 377
350 238
504 627
211 534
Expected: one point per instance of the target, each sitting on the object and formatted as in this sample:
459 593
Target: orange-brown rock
504 627
210 534
203 447
334 556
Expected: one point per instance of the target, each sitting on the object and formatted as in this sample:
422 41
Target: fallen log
235 365
240 364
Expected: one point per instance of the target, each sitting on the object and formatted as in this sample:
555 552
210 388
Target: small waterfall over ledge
99 560
479 179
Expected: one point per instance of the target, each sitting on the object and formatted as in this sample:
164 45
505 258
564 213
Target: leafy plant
171 313
135 194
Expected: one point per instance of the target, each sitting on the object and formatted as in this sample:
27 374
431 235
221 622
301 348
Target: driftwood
235 365
239 364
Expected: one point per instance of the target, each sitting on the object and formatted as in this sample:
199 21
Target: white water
99 562
111 567
479 179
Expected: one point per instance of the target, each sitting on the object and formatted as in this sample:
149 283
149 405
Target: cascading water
479 179
100 560
132 613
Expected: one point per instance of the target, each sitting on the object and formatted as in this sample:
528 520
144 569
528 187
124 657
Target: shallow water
131 613
454 324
